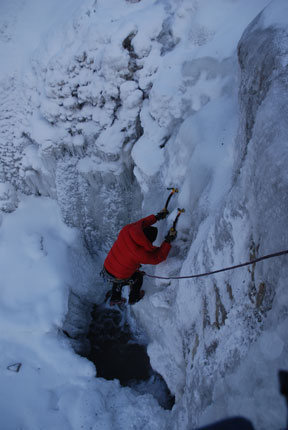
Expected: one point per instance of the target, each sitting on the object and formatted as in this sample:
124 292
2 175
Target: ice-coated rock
8 197
117 107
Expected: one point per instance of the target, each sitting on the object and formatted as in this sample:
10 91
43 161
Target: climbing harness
120 283
256 260
111 279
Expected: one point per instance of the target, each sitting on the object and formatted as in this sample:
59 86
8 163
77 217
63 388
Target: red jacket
132 248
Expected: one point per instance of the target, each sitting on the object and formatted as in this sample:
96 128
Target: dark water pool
117 354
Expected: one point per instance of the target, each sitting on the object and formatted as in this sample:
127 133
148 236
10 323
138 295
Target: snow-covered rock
121 100
8 197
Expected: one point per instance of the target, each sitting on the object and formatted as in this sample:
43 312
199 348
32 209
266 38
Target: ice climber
133 247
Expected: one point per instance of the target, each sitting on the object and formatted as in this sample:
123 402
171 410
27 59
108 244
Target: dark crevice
132 66
166 37
117 354
164 141
128 45
139 131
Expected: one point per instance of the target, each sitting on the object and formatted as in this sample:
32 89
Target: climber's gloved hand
162 214
171 235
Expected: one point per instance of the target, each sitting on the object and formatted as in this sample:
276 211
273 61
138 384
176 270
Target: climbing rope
256 260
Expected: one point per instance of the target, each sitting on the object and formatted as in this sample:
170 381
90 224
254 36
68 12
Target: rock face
262 54
113 112
219 318
69 128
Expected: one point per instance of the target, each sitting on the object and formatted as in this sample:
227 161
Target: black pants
135 283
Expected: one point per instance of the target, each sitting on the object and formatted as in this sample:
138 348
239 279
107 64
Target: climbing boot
119 301
116 298
136 298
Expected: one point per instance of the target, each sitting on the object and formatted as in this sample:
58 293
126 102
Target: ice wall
234 184
80 107
261 157
130 97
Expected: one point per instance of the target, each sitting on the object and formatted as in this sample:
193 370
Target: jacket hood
137 234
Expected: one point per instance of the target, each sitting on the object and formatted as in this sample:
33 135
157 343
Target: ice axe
172 231
173 191
180 211
164 212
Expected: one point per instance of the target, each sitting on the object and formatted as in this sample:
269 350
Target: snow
23 23
35 255
8 197
104 104
276 14
34 290
271 345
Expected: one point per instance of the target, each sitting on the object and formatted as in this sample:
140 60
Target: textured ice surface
120 101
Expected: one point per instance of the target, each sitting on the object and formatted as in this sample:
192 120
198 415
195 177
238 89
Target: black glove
171 236
162 214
